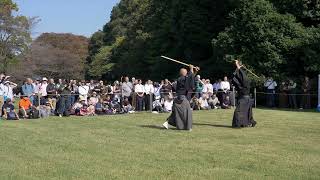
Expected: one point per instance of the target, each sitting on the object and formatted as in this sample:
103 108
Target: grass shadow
213 125
152 127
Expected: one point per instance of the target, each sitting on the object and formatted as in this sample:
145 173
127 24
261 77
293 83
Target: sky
80 17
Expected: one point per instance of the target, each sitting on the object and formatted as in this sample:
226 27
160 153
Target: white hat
44 79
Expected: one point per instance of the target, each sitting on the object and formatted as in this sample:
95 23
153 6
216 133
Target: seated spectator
226 104
204 105
45 110
195 105
93 100
157 105
214 101
168 103
127 107
87 110
25 107
9 112
77 106
99 107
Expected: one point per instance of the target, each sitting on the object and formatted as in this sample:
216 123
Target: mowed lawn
284 145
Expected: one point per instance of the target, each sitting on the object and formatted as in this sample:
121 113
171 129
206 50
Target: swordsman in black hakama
181 116
243 113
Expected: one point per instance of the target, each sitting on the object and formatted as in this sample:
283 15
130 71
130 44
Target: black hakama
181 116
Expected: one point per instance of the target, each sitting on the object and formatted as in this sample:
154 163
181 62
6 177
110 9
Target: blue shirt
27 89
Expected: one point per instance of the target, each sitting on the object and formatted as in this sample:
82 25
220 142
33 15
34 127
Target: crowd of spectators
47 97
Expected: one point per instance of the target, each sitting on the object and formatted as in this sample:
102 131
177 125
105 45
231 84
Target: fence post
255 97
234 97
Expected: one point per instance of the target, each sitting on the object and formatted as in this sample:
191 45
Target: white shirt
43 89
139 88
205 88
209 88
7 91
203 102
225 85
149 89
270 84
1 89
36 88
83 90
168 105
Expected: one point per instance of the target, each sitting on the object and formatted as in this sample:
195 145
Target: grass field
284 145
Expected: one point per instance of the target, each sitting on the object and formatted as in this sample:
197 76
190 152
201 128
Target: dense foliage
55 56
276 37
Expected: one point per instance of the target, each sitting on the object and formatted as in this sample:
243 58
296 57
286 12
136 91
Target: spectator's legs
147 102
139 106
61 105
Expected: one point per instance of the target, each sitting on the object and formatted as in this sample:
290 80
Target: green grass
285 145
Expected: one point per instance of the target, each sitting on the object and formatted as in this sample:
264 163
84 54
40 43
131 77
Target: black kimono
243 114
181 116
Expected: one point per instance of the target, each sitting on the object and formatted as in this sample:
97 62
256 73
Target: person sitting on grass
77 106
214 101
99 107
9 112
226 104
168 103
195 105
25 107
45 110
87 110
203 100
127 107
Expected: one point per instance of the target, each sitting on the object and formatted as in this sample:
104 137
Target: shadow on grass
213 125
289 110
152 127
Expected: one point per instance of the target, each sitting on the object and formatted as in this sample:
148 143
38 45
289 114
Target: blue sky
81 17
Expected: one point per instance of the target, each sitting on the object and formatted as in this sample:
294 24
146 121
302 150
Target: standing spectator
52 92
127 88
92 86
64 106
116 91
2 79
28 89
209 88
166 89
8 90
157 89
60 82
84 90
292 94
199 86
139 89
216 86
74 91
306 88
270 86
283 96
225 86
204 88
43 90
149 90
9 112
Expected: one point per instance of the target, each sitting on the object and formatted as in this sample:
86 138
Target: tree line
276 38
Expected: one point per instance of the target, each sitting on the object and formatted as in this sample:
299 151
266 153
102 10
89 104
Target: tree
14 34
55 56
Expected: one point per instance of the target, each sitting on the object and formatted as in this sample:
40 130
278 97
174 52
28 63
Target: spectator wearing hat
9 112
43 90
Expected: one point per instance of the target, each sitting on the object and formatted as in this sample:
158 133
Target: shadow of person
152 127
213 125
